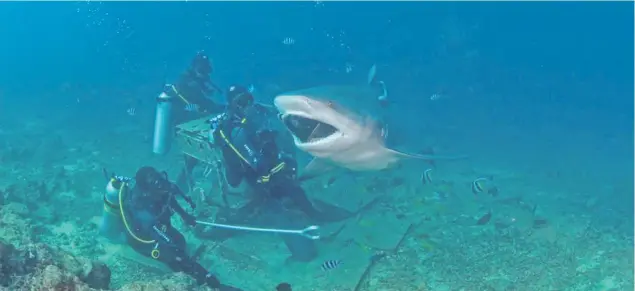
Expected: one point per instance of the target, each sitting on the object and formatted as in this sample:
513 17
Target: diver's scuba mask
241 104
162 185
239 100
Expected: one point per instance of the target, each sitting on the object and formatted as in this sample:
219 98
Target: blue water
539 88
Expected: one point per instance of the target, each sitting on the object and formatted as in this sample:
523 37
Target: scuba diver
189 98
253 152
144 211
194 89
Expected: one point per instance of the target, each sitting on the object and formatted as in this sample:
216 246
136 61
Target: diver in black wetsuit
194 90
252 154
148 207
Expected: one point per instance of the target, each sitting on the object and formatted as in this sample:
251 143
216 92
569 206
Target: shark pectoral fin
315 168
429 157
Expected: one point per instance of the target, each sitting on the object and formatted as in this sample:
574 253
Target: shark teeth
306 130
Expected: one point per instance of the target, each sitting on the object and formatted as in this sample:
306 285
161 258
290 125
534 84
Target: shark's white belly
364 156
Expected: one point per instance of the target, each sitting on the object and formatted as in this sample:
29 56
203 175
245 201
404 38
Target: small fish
371 74
348 68
288 41
191 107
330 265
425 177
383 98
435 97
484 219
131 111
477 185
251 88
384 131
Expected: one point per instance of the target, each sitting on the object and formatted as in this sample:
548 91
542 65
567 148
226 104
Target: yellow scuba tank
112 226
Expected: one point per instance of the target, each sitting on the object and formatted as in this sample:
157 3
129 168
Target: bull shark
335 135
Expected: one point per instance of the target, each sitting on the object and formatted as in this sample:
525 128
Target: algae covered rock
15 229
40 267
98 276
176 281
54 278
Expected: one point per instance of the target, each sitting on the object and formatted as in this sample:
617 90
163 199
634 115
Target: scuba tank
162 124
112 226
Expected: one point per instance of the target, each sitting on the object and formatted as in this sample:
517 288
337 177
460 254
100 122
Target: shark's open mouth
306 129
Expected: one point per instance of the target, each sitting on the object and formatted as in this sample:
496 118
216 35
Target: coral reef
40 267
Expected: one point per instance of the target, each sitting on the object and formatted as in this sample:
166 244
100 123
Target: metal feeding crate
192 138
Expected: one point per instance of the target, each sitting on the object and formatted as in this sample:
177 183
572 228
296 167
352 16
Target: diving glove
189 219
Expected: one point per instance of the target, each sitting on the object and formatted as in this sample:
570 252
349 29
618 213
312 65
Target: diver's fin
314 168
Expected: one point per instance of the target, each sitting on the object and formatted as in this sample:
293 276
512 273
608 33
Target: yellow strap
276 169
222 134
179 94
125 222
263 179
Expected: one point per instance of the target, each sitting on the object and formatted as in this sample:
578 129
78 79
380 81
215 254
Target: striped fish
191 107
425 177
330 264
288 41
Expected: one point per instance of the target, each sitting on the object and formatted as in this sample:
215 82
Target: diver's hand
189 219
168 89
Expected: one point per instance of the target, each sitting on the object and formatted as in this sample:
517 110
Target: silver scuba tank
162 124
111 225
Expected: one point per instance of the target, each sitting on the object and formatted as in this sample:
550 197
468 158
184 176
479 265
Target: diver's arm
215 125
187 218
